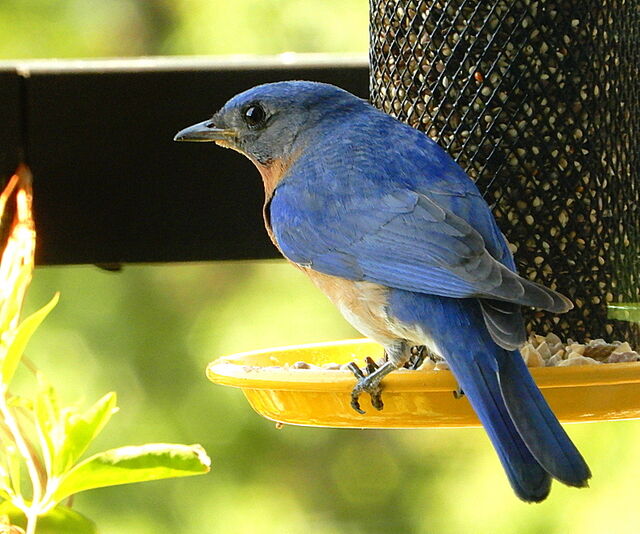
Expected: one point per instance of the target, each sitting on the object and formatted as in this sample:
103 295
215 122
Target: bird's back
361 154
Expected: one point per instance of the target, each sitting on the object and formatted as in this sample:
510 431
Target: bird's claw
369 383
372 366
418 355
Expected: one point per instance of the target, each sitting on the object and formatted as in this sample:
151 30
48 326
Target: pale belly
364 305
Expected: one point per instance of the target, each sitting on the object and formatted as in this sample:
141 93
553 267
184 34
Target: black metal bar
10 122
110 184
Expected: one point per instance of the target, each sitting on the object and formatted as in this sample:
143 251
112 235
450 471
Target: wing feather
415 245
410 220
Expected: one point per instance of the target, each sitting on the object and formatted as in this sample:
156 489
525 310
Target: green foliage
20 337
40 438
132 464
57 521
63 435
95 28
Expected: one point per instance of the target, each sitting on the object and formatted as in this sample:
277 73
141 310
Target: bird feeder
539 102
319 394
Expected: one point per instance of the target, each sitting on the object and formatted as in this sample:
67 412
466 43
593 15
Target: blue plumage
396 234
529 440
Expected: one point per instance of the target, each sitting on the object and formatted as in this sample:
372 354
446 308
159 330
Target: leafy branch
42 440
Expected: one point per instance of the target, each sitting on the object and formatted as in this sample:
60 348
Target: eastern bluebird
387 224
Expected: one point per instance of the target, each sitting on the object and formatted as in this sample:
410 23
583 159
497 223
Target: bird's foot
458 393
369 383
418 355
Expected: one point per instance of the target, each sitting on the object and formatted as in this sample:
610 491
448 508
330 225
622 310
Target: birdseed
538 351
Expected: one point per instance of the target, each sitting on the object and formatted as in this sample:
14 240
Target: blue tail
477 375
537 424
529 440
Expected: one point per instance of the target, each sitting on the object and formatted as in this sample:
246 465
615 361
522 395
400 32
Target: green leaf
4 495
126 465
19 402
80 430
12 304
47 420
59 520
5 484
14 466
22 336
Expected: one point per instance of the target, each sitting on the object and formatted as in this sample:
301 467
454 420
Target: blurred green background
149 332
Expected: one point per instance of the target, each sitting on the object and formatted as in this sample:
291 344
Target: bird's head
271 123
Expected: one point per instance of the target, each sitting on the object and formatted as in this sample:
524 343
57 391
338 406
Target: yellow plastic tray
411 398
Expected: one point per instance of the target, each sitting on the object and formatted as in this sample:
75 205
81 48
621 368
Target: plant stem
32 451
11 422
32 521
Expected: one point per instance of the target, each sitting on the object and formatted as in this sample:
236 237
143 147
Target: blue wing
405 217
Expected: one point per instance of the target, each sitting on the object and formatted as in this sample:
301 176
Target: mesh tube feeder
539 101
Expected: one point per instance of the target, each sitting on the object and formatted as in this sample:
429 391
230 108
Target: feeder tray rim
257 369
413 399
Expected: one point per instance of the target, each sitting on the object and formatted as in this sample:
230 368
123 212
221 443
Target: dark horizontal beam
11 134
111 186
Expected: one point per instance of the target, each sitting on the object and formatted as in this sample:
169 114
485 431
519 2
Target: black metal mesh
539 102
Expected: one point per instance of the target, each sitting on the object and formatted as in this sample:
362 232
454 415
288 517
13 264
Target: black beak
205 132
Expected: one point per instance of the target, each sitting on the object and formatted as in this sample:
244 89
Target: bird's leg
418 354
370 383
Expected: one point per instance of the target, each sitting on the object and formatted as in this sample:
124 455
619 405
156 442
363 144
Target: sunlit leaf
14 466
126 465
5 484
24 333
47 420
18 401
80 430
16 264
59 520
12 303
7 528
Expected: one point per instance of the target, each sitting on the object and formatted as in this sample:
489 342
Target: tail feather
477 377
530 442
538 426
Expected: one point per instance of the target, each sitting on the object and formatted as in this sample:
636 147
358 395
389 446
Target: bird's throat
272 174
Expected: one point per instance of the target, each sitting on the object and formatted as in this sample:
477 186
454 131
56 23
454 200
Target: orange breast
363 304
272 174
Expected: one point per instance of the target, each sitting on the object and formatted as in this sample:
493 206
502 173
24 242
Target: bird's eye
254 115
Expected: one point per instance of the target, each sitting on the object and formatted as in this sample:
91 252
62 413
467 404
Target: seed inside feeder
560 86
